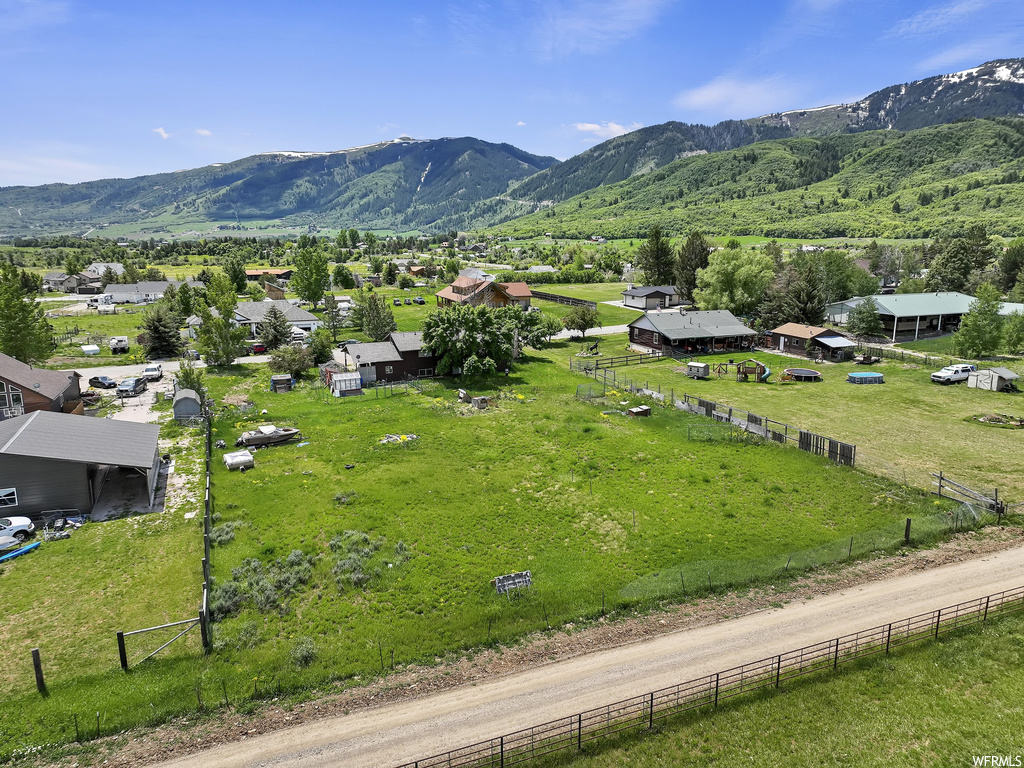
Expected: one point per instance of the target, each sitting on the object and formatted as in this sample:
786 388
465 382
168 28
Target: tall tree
655 258
581 319
1013 332
864 321
274 330
735 280
333 320
373 315
234 268
951 269
1011 265
390 273
311 279
24 332
219 339
343 277
161 331
693 255
981 329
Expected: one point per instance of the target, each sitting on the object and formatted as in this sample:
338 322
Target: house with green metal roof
912 315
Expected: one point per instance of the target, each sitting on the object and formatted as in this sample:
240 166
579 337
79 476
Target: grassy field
938 704
907 424
397 552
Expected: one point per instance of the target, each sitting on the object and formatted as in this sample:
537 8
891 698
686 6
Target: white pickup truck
153 372
953 373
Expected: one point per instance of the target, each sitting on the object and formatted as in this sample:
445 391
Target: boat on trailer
268 434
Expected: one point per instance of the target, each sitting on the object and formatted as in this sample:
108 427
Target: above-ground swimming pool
804 374
863 377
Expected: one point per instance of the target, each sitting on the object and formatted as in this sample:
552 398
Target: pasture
324 570
905 426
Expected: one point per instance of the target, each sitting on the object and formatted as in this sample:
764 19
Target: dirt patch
186 736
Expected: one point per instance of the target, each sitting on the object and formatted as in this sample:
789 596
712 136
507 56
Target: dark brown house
813 341
399 358
685 333
24 389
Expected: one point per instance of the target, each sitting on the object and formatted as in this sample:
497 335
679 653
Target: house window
389 369
636 333
426 372
657 339
8 497
16 397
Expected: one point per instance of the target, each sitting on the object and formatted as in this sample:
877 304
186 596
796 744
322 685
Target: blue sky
95 88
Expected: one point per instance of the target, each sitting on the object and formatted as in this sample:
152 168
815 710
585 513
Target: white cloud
972 53
203 132
388 128
22 15
161 133
606 130
730 97
564 27
938 18
28 169
520 123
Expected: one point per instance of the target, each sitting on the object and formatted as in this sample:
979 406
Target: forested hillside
922 183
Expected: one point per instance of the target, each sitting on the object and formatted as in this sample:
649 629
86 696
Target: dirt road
396 733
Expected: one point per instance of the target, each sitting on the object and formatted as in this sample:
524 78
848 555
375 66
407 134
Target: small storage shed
281 382
992 379
345 383
697 370
187 405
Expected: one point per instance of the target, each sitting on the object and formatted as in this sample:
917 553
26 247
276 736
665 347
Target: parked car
408 300
18 527
153 372
103 382
953 373
191 354
398 302
130 387
419 300
346 342
259 348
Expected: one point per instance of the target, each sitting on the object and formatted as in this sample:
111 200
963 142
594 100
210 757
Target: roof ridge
21 429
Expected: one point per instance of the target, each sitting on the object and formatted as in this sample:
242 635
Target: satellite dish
35 386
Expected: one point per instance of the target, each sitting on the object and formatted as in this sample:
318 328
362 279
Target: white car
954 373
153 372
18 527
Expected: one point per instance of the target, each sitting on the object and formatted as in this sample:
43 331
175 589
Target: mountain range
464 183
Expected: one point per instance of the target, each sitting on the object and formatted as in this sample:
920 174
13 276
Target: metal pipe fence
569 734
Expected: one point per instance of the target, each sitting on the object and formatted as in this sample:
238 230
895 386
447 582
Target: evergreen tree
864 321
161 332
693 255
24 332
333 321
1011 264
374 316
655 258
981 329
390 273
274 330
343 277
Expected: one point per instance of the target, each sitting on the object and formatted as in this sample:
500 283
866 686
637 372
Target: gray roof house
912 314
252 313
25 388
651 297
145 291
686 332
51 461
97 268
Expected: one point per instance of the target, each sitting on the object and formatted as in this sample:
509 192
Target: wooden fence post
906 534
37 664
121 651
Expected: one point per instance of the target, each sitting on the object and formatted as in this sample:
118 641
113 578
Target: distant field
906 423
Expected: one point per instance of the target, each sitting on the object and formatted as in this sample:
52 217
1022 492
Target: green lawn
397 552
939 704
907 424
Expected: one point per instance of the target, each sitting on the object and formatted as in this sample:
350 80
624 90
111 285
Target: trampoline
803 374
863 377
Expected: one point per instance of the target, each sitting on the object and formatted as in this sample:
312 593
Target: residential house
650 297
812 341
25 389
274 291
474 292
252 275
399 358
681 332
252 313
417 270
541 269
146 291
96 270
54 461
910 315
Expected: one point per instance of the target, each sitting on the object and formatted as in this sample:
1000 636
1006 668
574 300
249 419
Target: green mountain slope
921 183
402 185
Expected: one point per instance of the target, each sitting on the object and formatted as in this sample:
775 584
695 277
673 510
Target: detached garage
56 461
993 379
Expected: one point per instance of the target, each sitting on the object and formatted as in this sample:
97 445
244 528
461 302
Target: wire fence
570 734
566 300
909 356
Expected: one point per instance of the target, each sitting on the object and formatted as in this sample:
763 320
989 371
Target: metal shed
60 461
992 379
187 405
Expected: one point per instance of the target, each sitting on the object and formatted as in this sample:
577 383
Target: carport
57 461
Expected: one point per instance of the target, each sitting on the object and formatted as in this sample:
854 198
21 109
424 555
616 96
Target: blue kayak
17 552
